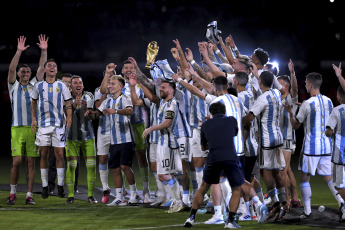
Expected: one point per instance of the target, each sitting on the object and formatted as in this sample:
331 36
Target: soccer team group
222 125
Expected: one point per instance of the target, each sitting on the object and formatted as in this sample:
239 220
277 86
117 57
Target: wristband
115 111
217 51
192 62
179 79
235 49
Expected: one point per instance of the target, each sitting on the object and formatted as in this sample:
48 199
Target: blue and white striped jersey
181 126
153 139
20 96
285 124
233 107
51 98
187 99
167 110
103 120
314 114
198 111
120 126
247 99
81 128
336 122
267 109
138 115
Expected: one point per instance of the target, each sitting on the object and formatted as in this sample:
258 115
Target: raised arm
191 88
198 69
15 60
43 44
141 76
182 60
337 71
219 54
109 71
134 97
213 68
230 42
294 85
227 51
204 84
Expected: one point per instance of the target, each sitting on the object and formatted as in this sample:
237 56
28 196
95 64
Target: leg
52 170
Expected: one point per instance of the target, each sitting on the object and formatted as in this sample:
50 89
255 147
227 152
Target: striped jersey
51 98
120 126
81 128
285 124
187 98
267 109
233 107
181 126
20 96
314 114
247 99
336 122
138 115
198 111
153 139
103 120
167 110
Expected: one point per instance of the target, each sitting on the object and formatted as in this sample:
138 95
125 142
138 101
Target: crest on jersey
58 90
50 89
30 87
25 90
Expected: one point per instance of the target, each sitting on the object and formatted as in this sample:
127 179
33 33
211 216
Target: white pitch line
167 226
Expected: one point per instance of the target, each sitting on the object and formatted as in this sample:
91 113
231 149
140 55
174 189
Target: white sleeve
34 93
209 98
332 120
276 84
258 107
302 113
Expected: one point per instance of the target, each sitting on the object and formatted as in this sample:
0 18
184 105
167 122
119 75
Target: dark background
86 35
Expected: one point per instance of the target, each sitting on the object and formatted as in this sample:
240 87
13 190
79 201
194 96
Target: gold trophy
151 53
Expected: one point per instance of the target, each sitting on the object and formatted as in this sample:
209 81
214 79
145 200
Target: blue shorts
121 154
232 170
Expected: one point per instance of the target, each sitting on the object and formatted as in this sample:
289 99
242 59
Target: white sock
103 174
248 204
13 189
199 172
160 186
217 210
132 188
335 193
29 194
60 176
119 194
260 194
44 177
306 196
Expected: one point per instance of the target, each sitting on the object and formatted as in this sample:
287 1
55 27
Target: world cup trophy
151 53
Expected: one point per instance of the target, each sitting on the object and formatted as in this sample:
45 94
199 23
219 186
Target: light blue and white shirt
267 109
336 122
103 120
120 127
187 99
181 126
153 139
81 128
51 98
198 111
285 124
233 107
20 96
167 110
138 115
314 114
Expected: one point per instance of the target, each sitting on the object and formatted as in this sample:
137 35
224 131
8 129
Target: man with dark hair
260 57
314 114
22 139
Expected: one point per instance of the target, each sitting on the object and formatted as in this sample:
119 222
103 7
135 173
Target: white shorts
51 136
103 143
309 164
183 143
153 152
168 160
289 145
338 174
195 146
272 159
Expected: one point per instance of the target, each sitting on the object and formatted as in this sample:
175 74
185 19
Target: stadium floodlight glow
331 0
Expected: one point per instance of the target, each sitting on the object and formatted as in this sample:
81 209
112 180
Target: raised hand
337 70
291 67
110 68
177 43
133 79
254 70
134 62
189 55
43 44
21 44
175 54
229 41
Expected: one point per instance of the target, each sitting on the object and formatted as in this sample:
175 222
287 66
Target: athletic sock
44 177
281 195
160 186
91 175
144 171
217 210
199 171
260 194
29 194
132 188
335 193
70 176
61 176
306 196
103 174
119 194
13 189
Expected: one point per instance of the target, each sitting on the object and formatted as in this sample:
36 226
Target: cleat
105 197
305 216
61 191
92 200
245 218
70 200
189 222
167 203
158 202
263 214
215 220
176 206
135 198
51 191
295 203
45 192
11 199
342 213
118 202
147 198
254 218
274 213
232 225
29 200
283 210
